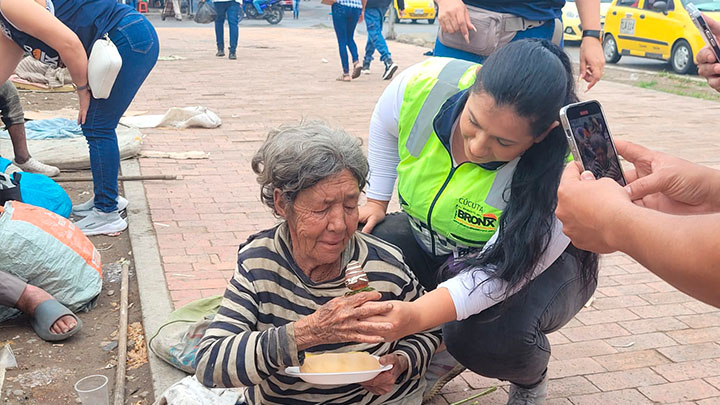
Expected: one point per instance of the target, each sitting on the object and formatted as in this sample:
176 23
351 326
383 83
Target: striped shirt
251 340
351 3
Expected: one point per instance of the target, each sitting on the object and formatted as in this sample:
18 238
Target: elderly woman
287 295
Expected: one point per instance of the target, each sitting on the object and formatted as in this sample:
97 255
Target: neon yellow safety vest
451 208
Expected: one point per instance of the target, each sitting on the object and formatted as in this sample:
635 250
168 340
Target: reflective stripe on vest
447 84
452 207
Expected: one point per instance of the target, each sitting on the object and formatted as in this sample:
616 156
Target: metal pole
120 178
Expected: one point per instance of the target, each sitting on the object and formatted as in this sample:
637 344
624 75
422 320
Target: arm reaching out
599 215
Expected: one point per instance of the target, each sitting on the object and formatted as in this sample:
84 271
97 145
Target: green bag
177 340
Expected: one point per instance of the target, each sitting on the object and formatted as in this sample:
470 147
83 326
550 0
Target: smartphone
704 29
590 141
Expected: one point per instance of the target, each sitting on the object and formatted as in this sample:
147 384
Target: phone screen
592 139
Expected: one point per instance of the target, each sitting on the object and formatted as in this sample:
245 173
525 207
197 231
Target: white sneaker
35 166
101 223
12 169
84 209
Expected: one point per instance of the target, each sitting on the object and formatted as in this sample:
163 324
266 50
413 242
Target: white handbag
103 67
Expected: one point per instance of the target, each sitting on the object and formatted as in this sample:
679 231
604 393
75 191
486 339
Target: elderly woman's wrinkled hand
384 382
341 320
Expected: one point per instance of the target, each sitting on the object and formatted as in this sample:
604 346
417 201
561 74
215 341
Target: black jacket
384 4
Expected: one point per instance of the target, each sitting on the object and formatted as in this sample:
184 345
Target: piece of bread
339 362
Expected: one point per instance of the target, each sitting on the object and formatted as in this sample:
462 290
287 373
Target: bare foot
34 296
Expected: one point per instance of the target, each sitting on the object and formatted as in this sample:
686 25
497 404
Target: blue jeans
138 45
257 4
232 9
544 31
374 18
345 20
296 9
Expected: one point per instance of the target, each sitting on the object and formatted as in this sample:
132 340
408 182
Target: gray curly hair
294 158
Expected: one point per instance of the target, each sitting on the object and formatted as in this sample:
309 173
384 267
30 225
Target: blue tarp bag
42 191
34 189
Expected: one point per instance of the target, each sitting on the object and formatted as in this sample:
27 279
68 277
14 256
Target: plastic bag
178 339
50 252
189 391
206 13
176 117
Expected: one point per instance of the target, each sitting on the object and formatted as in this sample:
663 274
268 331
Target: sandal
345 77
357 68
46 314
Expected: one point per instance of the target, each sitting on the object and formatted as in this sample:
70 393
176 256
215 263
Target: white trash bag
189 391
176 117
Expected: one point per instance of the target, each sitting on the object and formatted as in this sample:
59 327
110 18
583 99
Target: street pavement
640 342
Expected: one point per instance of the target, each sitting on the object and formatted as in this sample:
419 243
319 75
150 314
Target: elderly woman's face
324 217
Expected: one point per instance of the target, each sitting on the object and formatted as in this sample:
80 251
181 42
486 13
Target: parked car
656 29
572 30
416 10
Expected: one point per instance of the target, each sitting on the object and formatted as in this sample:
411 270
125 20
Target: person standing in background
62 32
231 9
346 14
12 115
469 29
296 9
374 18
177 8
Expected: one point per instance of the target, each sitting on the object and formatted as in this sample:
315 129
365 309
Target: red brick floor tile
689 370
680 391
623 397
618 380
630 360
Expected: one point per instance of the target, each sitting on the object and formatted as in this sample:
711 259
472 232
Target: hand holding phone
590 141
704 29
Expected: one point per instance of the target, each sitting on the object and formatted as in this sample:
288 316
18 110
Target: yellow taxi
656 29
572 30
416 10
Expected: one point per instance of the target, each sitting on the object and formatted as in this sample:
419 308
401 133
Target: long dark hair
535 78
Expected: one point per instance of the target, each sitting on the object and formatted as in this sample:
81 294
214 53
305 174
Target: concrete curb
154 294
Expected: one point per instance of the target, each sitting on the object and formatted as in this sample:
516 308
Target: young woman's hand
342 320
84 101
401 318
372 213
384 382
453 16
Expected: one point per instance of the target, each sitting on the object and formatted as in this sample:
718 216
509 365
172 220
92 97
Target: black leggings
509 340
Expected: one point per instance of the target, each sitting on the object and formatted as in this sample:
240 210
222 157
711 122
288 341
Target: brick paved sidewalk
640 342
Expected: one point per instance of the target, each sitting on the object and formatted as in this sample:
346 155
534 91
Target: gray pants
11 110
11 288
506 341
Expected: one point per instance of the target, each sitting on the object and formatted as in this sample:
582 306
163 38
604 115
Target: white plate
351 377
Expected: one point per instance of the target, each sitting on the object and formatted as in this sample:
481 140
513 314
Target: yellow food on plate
339 362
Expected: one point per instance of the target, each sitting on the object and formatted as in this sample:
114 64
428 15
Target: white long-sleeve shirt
384 158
